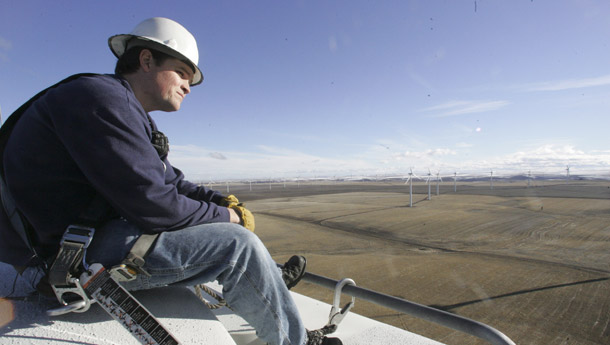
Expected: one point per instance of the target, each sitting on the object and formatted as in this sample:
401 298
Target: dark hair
129 62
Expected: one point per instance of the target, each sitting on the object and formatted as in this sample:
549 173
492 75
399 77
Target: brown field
532 262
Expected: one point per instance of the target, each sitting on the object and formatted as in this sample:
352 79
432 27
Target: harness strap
69 261
68 258
134 262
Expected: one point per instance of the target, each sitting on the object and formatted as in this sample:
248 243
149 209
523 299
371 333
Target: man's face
170 84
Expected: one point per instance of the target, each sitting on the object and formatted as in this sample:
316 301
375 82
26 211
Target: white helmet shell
164 35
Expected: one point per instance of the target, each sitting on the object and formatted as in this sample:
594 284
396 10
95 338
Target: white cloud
419 79
199 163
429 153
424 159
559 156
570 84
332 44
217 155
5 44
463 145
549 158
454 108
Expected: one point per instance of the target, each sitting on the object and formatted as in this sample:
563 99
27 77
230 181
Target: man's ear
146 59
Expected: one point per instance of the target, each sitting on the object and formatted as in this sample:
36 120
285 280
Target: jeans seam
268 305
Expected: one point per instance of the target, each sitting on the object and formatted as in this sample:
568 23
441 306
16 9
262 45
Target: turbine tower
438 180
428 182
567 173
410 182
454 181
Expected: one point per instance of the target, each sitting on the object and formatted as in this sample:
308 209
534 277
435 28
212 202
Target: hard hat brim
118 44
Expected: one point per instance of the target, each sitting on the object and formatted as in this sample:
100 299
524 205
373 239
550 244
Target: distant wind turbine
491 179
410 182
438 179
454 181
428 182
567 173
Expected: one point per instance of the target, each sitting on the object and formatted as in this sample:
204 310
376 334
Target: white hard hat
164 35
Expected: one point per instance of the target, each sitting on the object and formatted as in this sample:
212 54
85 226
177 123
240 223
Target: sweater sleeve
108 134
190 189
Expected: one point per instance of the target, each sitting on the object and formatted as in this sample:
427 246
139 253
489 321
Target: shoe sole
298 279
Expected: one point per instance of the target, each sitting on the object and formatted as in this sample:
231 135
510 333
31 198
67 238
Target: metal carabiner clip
78 306
336 313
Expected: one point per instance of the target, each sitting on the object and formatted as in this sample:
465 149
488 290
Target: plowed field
532 262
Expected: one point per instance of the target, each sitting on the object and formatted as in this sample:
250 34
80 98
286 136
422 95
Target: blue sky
349 88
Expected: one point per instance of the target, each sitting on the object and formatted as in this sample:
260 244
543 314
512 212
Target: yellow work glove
228 201
247 219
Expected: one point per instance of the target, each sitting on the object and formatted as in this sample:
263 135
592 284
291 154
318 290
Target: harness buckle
72 297
79 234
123 273
65 285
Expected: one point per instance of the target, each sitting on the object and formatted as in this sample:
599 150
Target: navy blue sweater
89 136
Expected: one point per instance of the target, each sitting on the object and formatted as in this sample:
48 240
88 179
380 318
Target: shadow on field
520 292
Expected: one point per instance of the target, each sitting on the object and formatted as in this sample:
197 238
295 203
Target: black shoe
294 270
318 337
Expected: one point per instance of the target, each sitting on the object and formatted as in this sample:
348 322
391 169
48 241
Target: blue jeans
252 283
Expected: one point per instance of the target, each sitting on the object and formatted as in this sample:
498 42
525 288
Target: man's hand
247 219
233 216
238 213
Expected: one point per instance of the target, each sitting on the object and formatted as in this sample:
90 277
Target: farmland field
532 262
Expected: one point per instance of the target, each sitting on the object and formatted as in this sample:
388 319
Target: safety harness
76 284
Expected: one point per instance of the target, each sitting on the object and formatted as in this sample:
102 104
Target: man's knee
247 238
